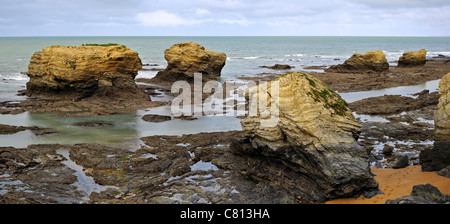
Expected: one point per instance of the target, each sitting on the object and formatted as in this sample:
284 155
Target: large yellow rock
186 59
82 71
370 61
309 125
438 157
442 113
413 58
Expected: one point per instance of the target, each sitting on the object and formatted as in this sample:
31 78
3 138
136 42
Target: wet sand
396 183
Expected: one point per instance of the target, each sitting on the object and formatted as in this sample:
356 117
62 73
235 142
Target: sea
245 55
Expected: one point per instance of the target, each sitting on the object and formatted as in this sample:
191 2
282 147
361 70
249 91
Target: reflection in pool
125 131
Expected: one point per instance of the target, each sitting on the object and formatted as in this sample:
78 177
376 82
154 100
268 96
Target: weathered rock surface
423 194
315 137
439 157
82 71
413 58
78 78
186 59
441 116
370 61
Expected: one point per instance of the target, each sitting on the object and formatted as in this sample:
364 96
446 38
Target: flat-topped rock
82 71
84 78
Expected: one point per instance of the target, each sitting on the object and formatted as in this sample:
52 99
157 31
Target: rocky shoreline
225 167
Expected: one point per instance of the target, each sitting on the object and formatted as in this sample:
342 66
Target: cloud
202 12
163 18
242 22
403 3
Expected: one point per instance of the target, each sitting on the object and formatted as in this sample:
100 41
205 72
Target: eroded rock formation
370 61
413 58
76 78
315 137
82 71
186 59
438 157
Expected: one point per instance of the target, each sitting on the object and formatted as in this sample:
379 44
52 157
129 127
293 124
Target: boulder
423 194
441 115
186 59
413 58
438 157
370 61
315 136
82 71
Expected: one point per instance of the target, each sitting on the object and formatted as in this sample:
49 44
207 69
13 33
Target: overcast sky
225 18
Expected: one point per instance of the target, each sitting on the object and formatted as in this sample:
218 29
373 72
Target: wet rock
155 118
91 124
278 67
9 129
413 58
315 134
185 59
444 172
370 61
436 158
423 194
398 161
393 104
36 175
387 150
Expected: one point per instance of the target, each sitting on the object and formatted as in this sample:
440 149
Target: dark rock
423 194
91 124
437 158
398 161
444 172
156 118
278 67
387 150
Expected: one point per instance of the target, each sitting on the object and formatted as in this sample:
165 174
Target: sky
225 18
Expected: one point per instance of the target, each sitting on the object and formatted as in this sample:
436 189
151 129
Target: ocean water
244 56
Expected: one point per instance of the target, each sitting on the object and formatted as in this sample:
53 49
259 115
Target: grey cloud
403 3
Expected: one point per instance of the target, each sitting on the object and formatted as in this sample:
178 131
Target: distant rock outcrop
186 59
315 137
278 67
370 61
438 157
413 58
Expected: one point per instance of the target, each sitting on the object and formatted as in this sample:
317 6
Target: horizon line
1 36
